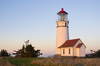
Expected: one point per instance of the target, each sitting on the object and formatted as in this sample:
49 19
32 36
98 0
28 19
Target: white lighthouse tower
62 30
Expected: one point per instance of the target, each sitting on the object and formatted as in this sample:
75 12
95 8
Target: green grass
22 61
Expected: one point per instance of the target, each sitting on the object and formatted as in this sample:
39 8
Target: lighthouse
62 29
64 46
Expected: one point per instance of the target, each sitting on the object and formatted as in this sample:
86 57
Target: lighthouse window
69 51
63 51
57 24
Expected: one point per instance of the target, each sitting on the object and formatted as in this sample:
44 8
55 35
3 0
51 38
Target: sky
35 20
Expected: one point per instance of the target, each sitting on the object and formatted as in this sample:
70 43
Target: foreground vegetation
50 62
21 61
67 62
5 62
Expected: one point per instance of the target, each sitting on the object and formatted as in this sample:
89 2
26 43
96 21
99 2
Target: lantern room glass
62 17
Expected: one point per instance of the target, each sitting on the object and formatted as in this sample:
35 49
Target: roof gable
69 43
79 45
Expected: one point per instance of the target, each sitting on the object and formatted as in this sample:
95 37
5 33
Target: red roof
79 45
62 11
69 43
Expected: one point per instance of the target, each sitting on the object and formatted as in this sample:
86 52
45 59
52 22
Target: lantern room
62 15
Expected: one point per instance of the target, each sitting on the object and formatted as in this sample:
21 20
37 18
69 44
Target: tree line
26 51
94 54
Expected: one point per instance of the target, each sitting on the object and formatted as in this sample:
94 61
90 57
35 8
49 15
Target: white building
64 46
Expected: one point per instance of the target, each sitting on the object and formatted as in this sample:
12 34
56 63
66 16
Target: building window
65 24
63 51
69 51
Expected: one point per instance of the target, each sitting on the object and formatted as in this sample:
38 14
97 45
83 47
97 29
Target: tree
91 51
27 51
96 54
4 53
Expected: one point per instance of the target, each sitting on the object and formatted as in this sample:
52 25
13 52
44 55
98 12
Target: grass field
50 62
21 61
68 62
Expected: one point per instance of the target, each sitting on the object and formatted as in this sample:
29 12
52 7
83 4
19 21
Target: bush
4 53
